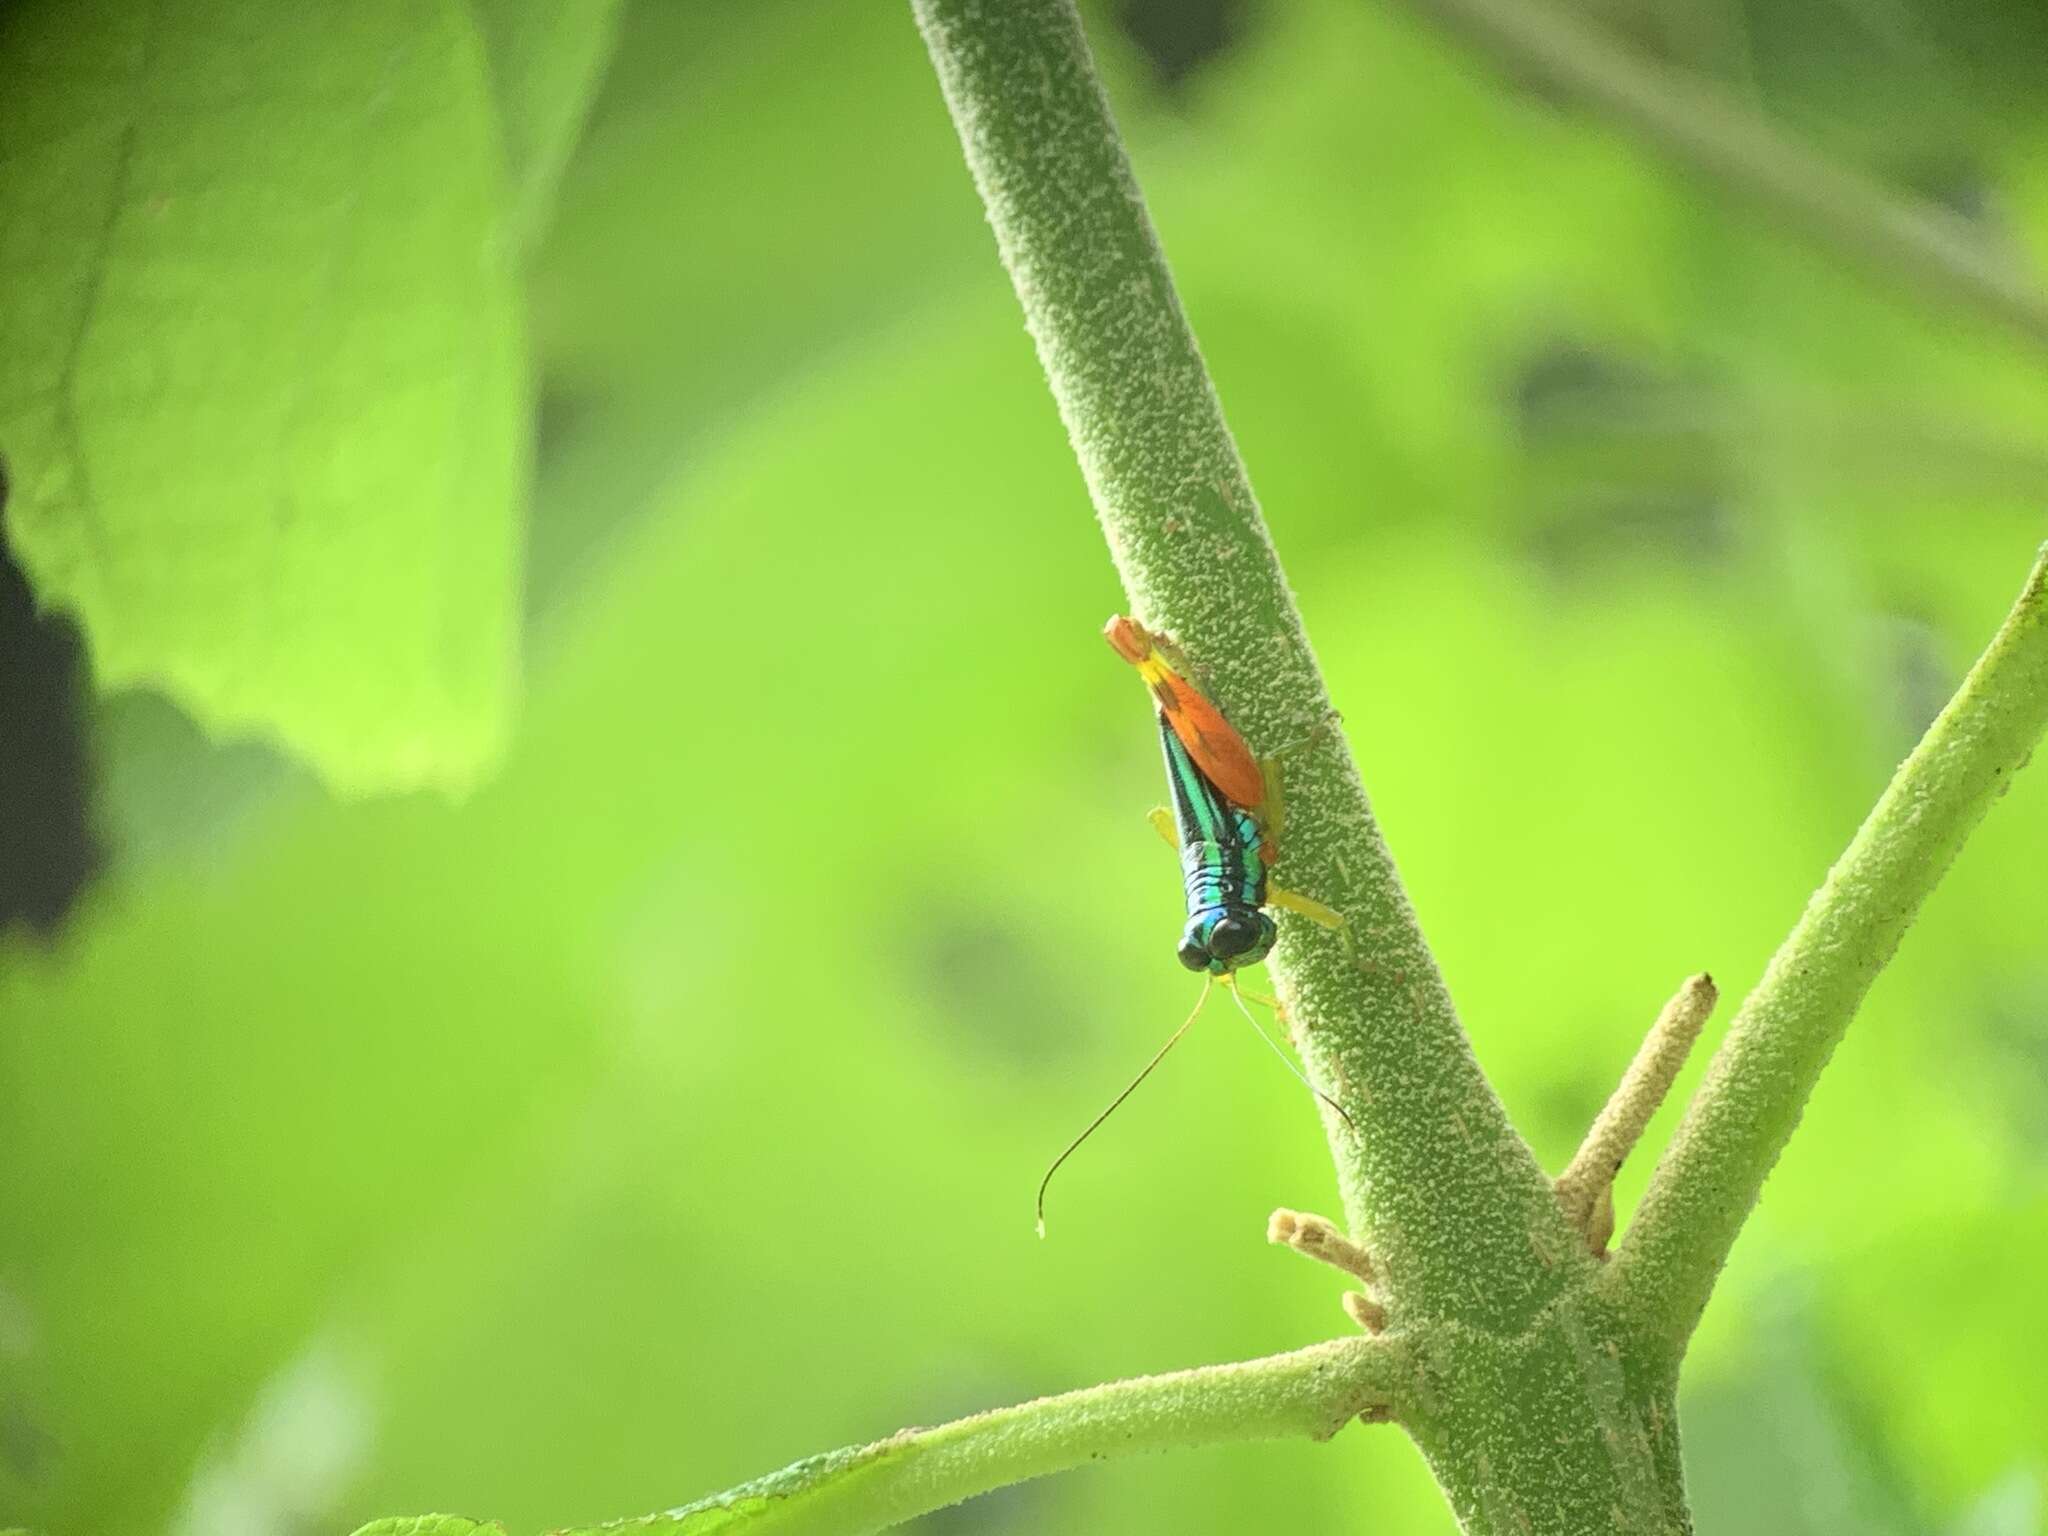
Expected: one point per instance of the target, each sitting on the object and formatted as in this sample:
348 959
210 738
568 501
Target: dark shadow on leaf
48 853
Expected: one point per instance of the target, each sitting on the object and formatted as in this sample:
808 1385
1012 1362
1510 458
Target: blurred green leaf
1773 1444
426 1525
262 387
804 1488
546 57
847 209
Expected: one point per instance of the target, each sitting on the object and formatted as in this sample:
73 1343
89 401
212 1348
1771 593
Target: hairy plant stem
1759 1080
1436 1181
1701 128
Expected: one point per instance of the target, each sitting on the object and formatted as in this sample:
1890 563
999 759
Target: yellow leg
1279 1012
1305 906
1273 809
1162 823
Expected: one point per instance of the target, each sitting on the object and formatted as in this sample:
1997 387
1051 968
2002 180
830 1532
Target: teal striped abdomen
1222 869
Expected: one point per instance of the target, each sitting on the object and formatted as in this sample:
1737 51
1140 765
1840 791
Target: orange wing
1211 740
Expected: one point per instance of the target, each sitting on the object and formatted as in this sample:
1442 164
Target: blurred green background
669 1106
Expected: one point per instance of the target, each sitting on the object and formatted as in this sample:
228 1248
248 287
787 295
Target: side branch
1760 1078
1585 1189
1702 129
1307 1394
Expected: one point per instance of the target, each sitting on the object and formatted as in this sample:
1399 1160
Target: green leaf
786 1500
800 1489
262 381
547 57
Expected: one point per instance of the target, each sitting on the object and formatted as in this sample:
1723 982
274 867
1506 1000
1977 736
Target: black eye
1233 936
1193 956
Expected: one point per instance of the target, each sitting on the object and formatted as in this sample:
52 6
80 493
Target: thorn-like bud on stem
1319 1239
1365 1312
1585 1189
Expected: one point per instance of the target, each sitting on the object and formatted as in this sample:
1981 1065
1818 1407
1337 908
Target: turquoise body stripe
1198 807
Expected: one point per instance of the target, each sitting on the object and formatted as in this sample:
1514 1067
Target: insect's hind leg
1306 906
1324 917
1272 767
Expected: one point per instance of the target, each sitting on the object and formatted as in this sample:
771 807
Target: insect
1223 865
1224 820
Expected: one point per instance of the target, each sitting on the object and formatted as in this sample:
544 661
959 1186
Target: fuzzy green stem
1436 1182
1759 1081
1306 1394
1704 130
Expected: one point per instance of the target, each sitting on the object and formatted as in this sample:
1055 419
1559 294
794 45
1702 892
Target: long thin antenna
1230 986
1159 1056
